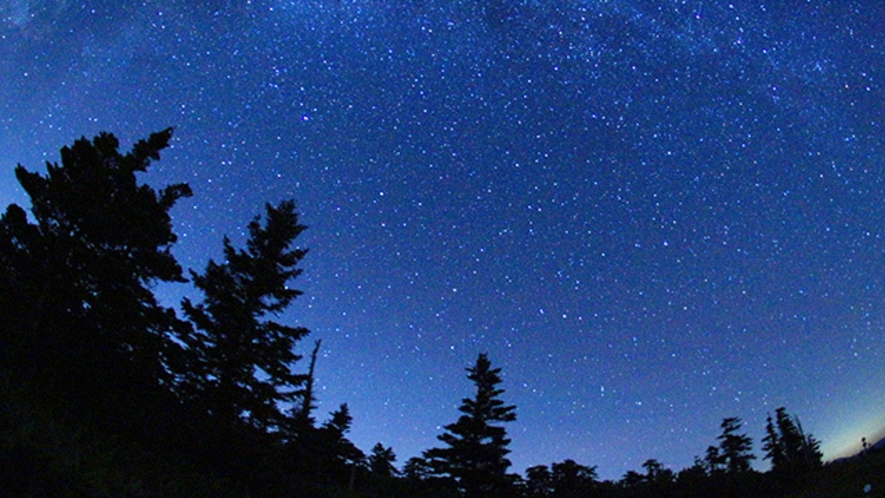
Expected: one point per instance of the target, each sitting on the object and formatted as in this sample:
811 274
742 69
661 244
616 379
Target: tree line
106 392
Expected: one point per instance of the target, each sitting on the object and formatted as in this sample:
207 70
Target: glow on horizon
862 420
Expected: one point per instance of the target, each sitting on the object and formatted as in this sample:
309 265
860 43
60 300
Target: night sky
651 215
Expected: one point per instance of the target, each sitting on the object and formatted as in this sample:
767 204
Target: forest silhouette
105 392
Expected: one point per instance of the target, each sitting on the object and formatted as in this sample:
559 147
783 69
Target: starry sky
651 214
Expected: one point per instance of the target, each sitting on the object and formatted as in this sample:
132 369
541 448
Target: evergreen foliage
735 450
570 479
539 481
335 457
712 460
76 285
564 479
476 445
381 461
241 360
788 447
772 445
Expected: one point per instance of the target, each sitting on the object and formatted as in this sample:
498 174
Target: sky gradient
651 215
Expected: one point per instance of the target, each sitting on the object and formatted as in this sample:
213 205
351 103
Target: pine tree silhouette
242 361
476 445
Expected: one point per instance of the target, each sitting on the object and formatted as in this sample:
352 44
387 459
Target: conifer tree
76 284
539 481
812 457
476 445
572 480
417 468
242 365
381 461
713 461
632 480
337 456
787 445
773 446
735 449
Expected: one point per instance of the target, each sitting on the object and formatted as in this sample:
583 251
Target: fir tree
476 445
569 479
381 461
632 480
713 461
242 359
773 446
76 284
539 481
787 445
812 456
417 469
337 456
735 449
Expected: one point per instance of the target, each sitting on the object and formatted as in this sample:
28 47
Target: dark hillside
847 478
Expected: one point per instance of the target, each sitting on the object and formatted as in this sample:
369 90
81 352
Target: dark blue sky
651 215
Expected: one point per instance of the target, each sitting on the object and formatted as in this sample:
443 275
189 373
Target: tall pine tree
476 445
242 360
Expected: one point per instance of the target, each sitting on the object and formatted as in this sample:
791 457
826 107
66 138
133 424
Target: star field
651 215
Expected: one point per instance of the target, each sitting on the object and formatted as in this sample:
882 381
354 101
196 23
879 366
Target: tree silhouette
338 456
772 445
301 423
632 480
381 461
787 446
735 449
417 468
653 469
382 472
713 461
569 479
242 360
76 285
476 446
691 479
539 481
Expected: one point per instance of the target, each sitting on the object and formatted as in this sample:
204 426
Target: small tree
417 469
476 446
539 481
735 449
690 479
713 461
242 360
337 456
653 469
381 461
572 480
632 480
